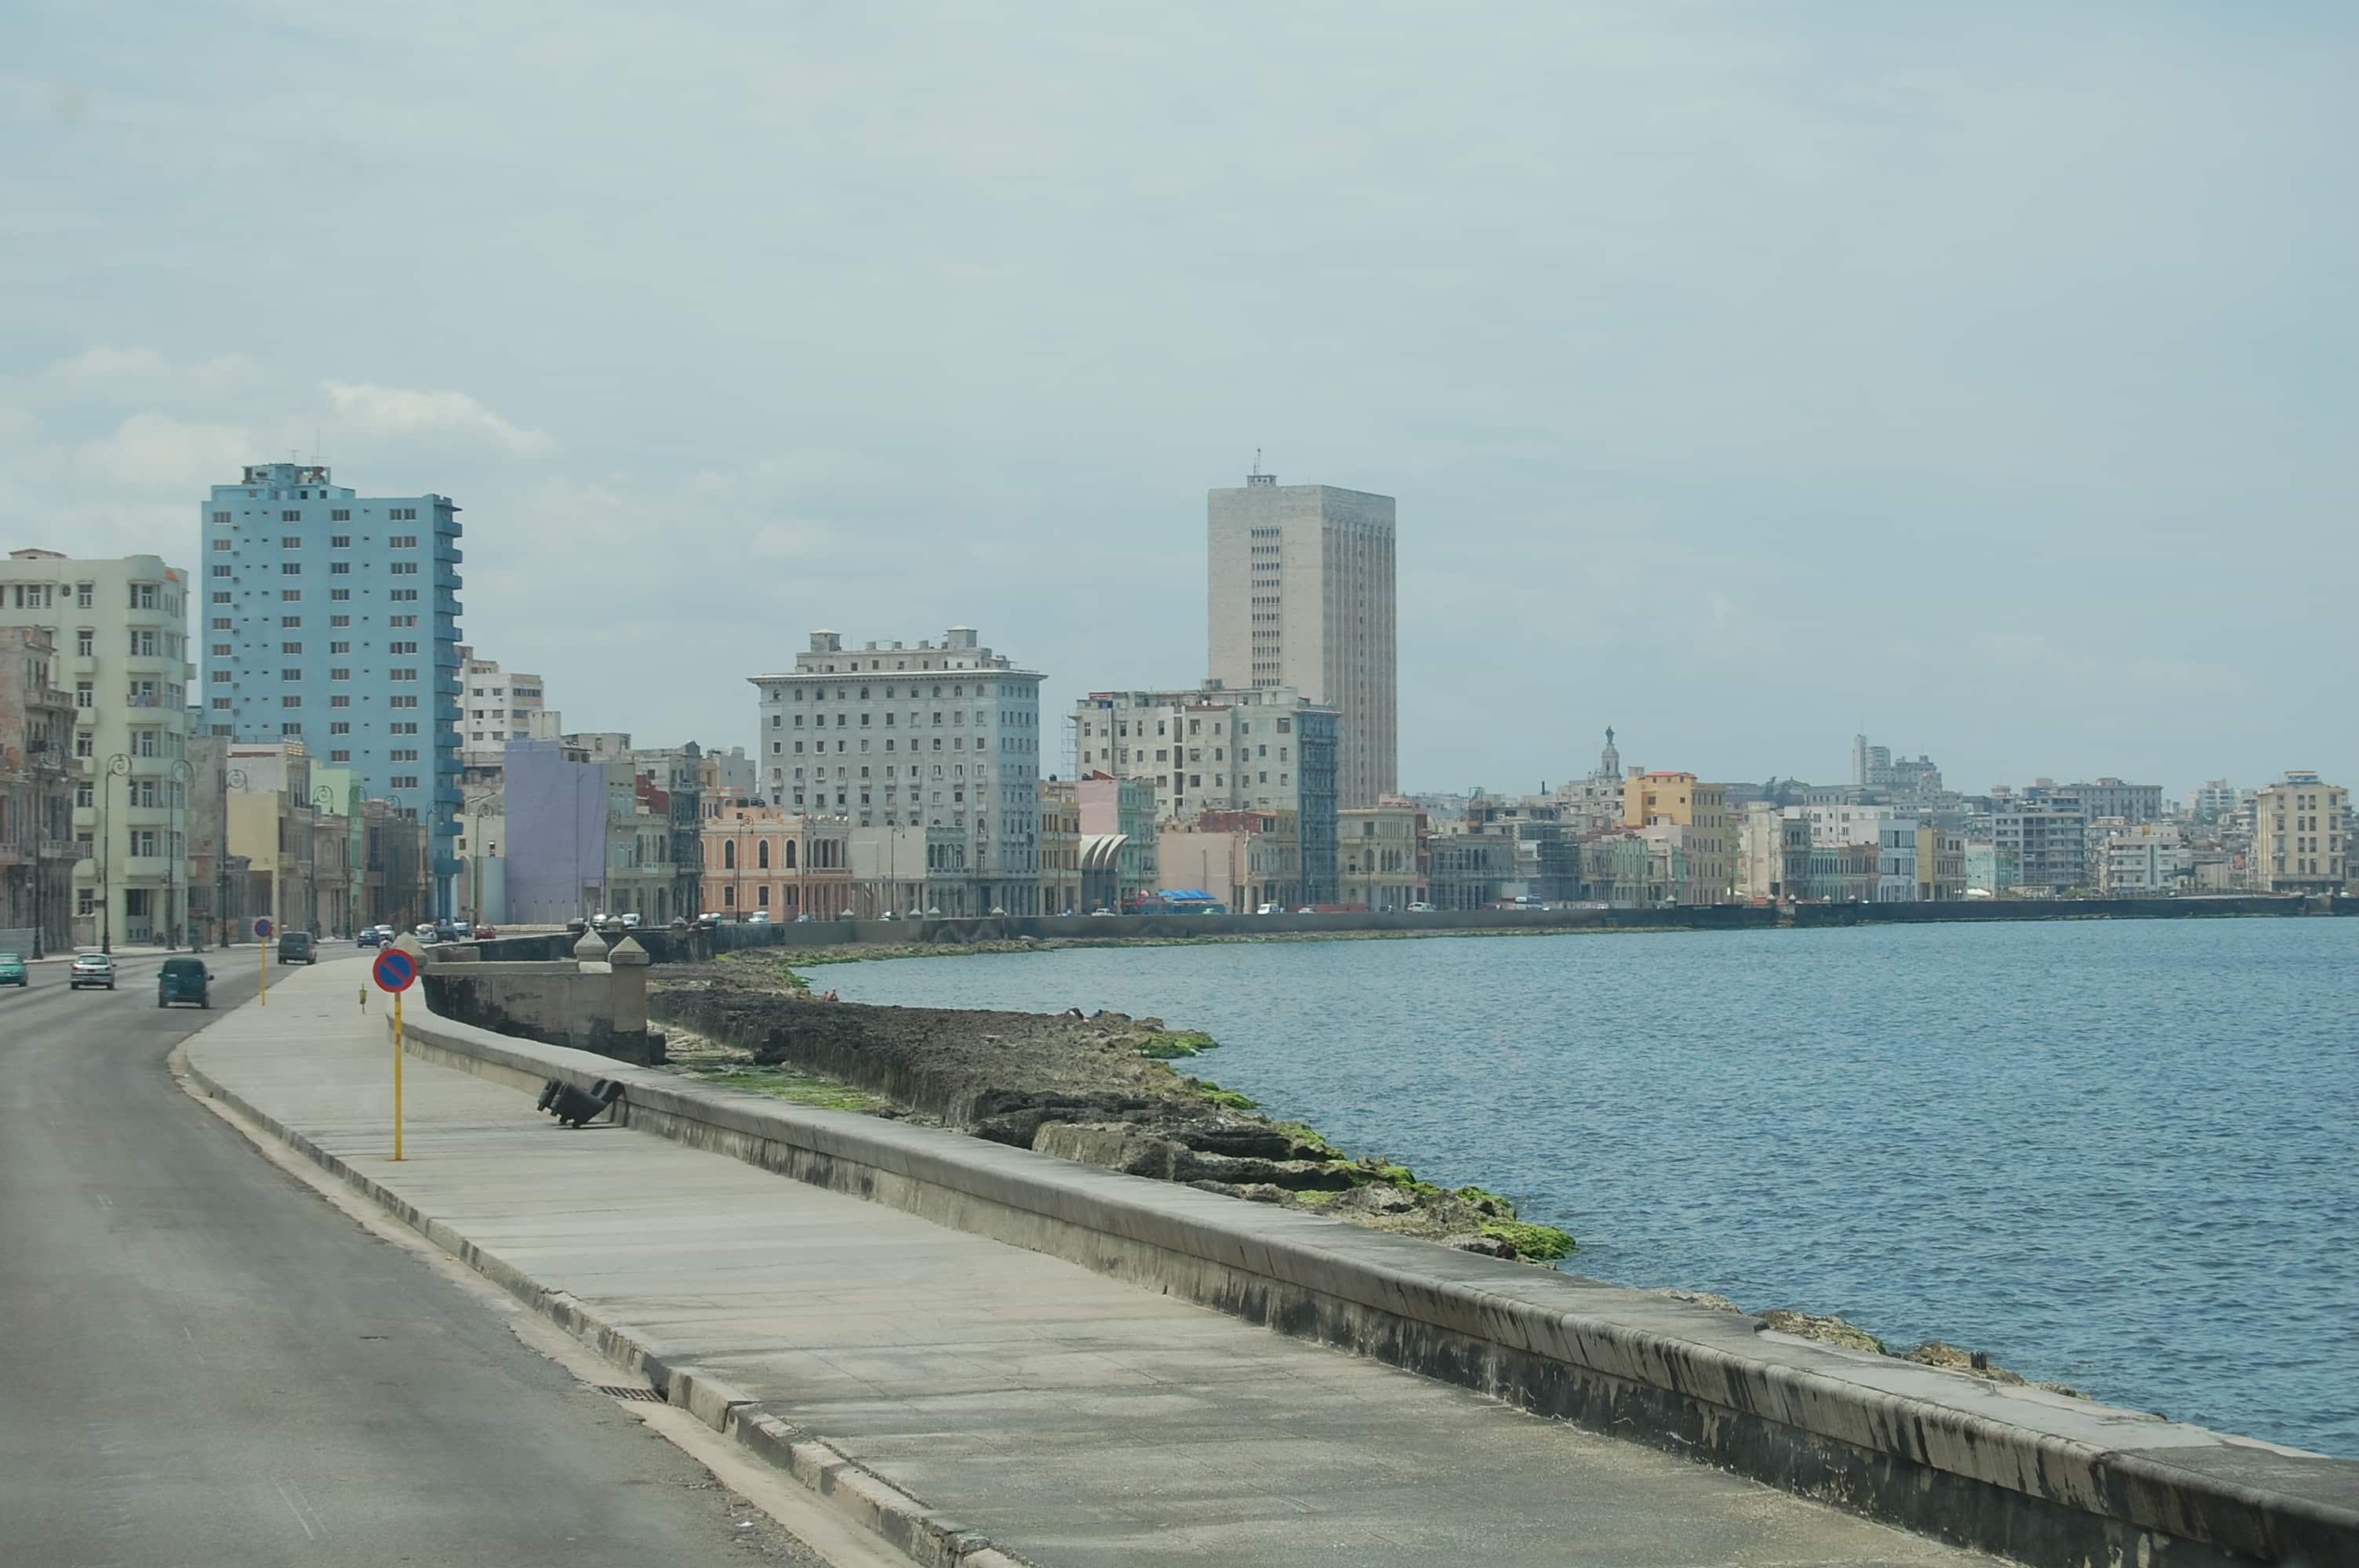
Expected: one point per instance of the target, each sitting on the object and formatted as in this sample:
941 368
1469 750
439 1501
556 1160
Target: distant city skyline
1747 380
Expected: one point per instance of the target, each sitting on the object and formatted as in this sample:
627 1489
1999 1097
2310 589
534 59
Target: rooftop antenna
1257 477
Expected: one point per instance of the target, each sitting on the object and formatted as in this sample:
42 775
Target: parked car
463 929
296 947
1271 909
368 936
90 969
184 979
1306 909
484 933
631 920
1101 909
759 917
426 931
576 927
1420 909
13 971
805 917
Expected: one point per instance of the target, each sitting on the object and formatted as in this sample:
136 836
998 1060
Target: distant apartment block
930 735
119 634
1301 596
2298 836
1221 748
332 619
498 706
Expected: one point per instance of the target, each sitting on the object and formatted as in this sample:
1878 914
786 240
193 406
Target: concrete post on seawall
590 954
627 989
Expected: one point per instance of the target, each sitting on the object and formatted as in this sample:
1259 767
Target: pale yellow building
2297 836
1680 800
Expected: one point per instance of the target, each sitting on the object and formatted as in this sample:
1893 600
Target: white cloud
147 375
152 453
397 410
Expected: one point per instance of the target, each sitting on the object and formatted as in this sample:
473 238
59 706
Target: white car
759 917
90 969
1271 909
631 921
1420 909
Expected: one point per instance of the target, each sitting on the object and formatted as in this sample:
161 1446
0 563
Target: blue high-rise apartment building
332 619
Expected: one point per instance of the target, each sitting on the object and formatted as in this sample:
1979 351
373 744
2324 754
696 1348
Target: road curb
927 1536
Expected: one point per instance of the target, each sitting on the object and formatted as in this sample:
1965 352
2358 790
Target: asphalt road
206 1363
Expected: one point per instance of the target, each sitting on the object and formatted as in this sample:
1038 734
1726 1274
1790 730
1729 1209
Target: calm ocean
2122 1155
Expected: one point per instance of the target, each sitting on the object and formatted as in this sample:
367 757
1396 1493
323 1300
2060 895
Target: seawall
700 943
2032 1476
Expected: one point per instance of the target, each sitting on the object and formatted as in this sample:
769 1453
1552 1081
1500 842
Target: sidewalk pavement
1074 1420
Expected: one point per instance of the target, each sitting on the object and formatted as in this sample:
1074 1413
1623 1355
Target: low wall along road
679 944
2034 1475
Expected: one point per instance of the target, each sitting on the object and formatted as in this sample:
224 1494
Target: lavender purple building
556 834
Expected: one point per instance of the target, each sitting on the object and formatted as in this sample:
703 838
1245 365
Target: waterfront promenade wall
675 944
2038 1476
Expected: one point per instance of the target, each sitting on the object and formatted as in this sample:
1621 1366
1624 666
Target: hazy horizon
1746 380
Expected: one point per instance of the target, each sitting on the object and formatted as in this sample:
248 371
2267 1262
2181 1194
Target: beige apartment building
1707 866
2297 836
497 706
1380 856
1301 595
120 631
936 735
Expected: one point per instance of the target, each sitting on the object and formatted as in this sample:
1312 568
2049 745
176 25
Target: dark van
296 947
184 979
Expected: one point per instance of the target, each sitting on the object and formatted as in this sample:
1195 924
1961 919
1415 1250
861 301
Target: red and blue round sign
394 970
262 927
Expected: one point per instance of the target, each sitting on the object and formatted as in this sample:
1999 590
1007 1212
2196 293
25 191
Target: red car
484 933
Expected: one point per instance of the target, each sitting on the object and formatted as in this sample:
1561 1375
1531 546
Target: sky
1747 375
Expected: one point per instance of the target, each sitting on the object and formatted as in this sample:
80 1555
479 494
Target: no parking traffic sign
394 970
262 927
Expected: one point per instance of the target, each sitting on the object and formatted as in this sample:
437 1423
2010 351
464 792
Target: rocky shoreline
1104 1090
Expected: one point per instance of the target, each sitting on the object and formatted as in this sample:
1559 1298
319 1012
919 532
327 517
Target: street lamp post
393 799
184 773
323 802
118 766
236 779
477 812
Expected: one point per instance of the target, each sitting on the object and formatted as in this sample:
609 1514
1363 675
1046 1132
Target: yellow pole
265 945
396 1074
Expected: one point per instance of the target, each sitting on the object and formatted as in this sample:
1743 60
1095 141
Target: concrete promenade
1072 1419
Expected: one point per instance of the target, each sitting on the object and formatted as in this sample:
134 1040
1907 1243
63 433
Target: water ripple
2119 1155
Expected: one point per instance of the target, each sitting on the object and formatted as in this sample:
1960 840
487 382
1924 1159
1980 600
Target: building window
291 542
84 594
290 596
221 547
339 595
219 569
221 598
290 568
340 568
340 541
